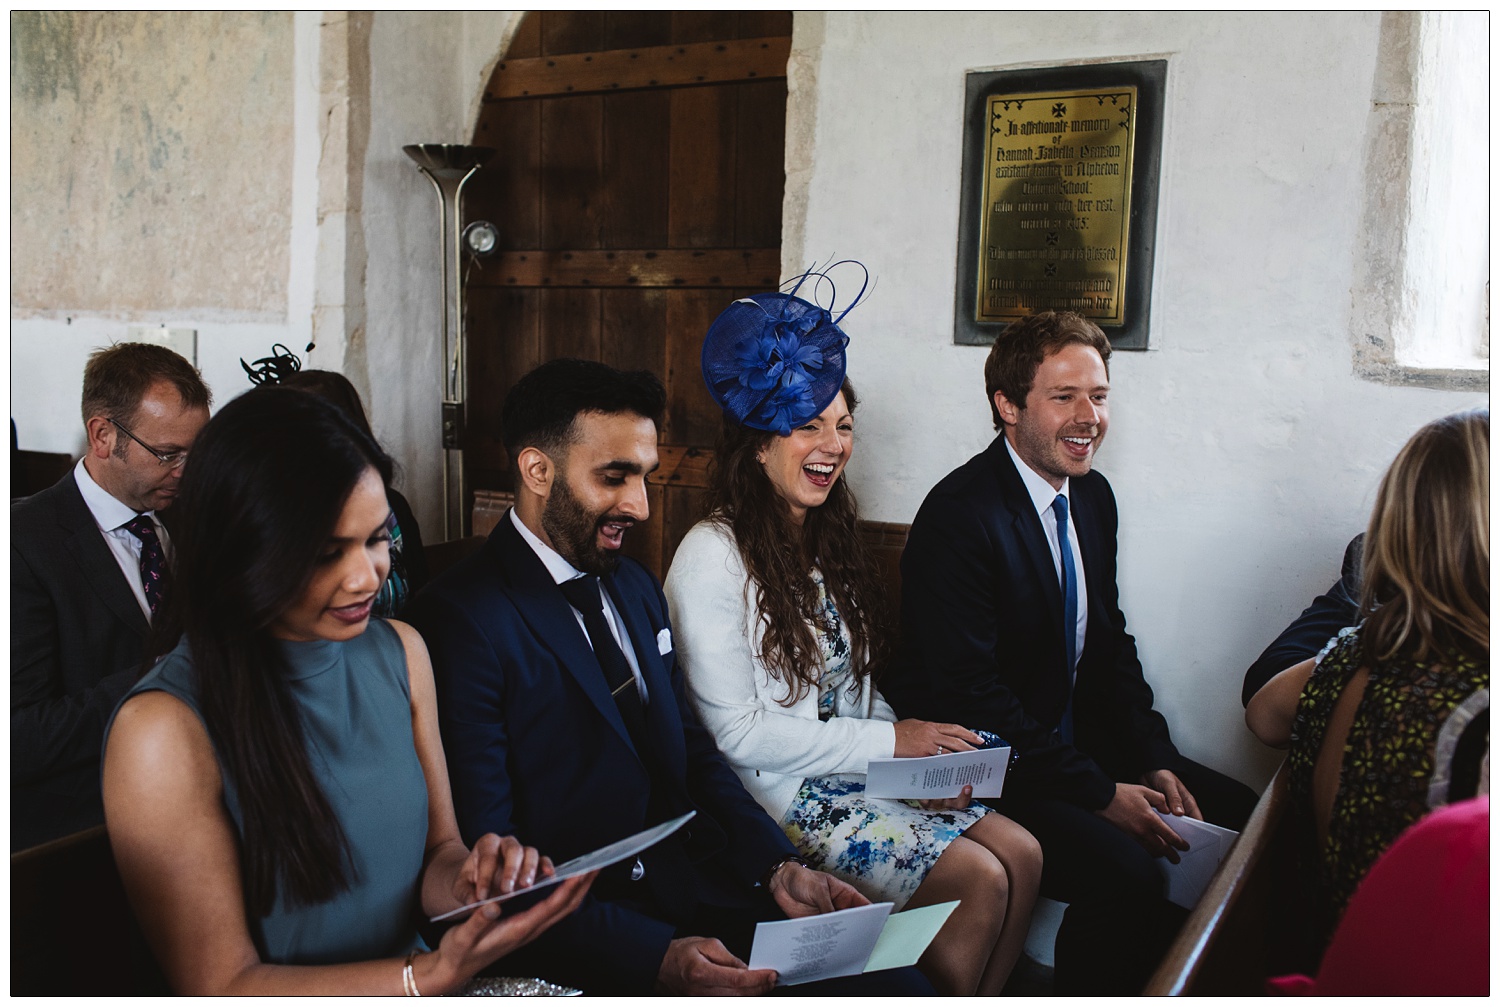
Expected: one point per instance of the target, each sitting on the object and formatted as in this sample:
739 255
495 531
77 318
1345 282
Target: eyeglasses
168 461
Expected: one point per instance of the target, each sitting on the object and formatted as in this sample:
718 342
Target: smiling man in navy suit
1011 623
565 722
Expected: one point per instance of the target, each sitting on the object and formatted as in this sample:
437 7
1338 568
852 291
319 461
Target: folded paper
939 776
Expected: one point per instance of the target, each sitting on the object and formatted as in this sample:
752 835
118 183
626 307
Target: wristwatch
790 858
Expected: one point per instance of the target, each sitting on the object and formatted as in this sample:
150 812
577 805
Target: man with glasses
89 572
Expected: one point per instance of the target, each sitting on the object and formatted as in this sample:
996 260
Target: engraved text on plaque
1055 215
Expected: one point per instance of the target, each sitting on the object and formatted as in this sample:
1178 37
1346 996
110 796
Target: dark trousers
734 926
1118 925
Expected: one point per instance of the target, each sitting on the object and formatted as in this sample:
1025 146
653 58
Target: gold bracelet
408 980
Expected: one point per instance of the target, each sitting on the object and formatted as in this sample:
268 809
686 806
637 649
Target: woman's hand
487 935
497 866
958 803
918 738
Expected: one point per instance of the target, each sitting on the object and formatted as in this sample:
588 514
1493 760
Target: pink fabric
1419 924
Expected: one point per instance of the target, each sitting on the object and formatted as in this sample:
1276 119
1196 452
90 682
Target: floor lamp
449 166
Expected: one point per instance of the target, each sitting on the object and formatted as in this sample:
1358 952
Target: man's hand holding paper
801 891
1189 875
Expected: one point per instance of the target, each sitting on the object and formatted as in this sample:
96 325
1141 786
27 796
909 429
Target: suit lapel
1089 545
85 544
551 619
1028 528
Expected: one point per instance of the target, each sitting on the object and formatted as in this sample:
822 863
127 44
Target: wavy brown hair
1426 590
743 499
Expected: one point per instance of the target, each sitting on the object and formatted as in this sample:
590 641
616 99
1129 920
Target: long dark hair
742 497
1426 580
265 485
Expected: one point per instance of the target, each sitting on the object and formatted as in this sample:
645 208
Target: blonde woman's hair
1427 551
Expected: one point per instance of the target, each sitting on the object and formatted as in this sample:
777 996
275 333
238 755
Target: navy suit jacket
77 637
536 748
982 635
1319 622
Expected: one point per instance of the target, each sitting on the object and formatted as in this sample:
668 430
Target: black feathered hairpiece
280 365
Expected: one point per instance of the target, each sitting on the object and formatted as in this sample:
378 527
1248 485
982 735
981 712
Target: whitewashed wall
1243 450
427 74
351 238
191 219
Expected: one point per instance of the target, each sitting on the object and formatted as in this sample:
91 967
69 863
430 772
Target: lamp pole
449 166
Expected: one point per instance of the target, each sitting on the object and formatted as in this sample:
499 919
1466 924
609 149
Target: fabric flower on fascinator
773 361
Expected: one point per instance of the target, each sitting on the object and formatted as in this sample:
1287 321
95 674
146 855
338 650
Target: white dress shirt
112 516
562 571
1042 495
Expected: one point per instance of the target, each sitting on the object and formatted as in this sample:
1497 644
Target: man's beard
574 531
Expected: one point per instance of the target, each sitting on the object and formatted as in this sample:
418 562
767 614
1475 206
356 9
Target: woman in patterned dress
774 599
1391 720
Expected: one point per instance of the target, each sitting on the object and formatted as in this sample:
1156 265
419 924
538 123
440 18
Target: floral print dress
882 847
1397 748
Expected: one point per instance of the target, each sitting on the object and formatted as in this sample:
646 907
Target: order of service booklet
939 776
846 942
602 857
1208 845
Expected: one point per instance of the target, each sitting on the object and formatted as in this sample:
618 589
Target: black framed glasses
168 460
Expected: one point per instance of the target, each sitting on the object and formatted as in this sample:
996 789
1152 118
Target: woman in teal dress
774 601
275 788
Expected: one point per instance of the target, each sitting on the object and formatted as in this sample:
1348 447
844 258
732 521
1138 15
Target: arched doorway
637 189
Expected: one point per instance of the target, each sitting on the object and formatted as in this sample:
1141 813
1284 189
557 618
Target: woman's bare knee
1015 847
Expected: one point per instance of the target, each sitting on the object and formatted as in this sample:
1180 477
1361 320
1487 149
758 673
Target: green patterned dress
1397 760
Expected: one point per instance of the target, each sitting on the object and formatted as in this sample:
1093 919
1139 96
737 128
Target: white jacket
772 747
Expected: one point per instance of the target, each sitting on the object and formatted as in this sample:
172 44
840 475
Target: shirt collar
108 512
1042 493
560 569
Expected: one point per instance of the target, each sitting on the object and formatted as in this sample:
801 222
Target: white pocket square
664 642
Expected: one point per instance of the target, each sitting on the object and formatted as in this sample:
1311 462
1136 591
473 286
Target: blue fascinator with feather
773 361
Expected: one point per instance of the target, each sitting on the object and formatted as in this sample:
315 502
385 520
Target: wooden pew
442 555
886 541
33 471
1243 929
71 928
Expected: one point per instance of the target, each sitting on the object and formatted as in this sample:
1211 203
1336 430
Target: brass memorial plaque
1055 216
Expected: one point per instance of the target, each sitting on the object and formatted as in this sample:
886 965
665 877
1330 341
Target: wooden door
637 189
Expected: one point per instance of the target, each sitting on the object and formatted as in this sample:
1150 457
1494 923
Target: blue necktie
1070 608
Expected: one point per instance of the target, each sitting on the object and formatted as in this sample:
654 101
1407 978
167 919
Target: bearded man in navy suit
1011 623
565 720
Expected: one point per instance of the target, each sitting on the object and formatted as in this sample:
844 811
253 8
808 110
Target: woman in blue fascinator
774 597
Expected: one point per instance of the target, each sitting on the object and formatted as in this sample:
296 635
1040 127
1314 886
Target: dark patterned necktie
153 560
666 868
583 594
